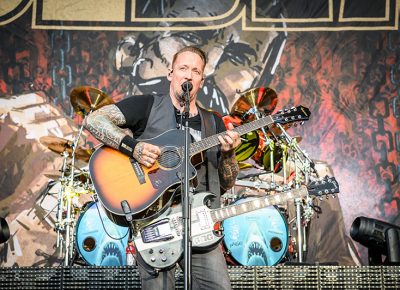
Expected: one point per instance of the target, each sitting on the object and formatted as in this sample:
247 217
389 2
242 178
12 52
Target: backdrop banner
340 59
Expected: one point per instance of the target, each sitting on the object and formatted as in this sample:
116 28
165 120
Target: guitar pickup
157 232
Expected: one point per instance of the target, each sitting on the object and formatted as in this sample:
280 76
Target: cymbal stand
301 156
60 204
271 145
70 192
268 142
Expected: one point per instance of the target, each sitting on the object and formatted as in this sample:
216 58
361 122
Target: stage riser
282 277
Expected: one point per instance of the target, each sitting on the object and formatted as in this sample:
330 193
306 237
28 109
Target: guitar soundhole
169 158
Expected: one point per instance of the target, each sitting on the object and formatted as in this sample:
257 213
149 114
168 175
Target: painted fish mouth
111 255
256 254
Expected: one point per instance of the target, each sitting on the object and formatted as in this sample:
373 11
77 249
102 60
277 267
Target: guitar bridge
138 170
157 232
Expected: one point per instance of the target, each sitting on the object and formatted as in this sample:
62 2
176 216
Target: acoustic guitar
118 178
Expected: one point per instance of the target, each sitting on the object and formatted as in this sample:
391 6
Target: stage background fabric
338 58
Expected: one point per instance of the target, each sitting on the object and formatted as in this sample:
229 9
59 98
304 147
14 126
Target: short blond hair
193 49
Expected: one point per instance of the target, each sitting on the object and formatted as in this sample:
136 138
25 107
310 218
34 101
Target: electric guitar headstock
294 114
326 186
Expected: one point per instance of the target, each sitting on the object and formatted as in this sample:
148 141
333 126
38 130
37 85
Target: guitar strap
209 128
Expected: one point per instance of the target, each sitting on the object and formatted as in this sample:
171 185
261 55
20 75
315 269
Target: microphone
187 86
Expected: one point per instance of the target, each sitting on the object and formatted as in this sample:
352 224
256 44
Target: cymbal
79 175
244 165
59 145
86 99
262 100
52 174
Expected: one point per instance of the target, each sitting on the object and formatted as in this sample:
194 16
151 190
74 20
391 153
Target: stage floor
279 277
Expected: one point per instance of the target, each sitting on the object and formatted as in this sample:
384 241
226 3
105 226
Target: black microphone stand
186 200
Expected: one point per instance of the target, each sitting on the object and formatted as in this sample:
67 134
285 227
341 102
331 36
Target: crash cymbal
86 99
244 165
59 145
262 100
56 144
52 174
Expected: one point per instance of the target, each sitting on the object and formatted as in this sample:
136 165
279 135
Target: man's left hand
230 140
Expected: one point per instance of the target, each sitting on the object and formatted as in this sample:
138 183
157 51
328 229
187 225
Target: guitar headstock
294 114
325 186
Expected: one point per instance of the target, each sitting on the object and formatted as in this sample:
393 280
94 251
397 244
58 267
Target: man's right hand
146 153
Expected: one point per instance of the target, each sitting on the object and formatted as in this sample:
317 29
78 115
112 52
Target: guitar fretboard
257 203
212 141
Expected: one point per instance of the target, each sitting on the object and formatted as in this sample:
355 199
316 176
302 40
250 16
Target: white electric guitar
160 242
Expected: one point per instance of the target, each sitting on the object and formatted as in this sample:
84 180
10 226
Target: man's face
188 66
236 60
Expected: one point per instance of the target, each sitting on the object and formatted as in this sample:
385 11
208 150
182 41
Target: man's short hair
193 49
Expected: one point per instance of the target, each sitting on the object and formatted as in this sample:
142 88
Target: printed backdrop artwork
338 58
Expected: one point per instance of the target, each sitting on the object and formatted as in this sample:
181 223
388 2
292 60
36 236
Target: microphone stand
186 201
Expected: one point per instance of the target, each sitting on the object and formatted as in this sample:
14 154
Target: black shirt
136 110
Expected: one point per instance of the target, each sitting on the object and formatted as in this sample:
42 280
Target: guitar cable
104 227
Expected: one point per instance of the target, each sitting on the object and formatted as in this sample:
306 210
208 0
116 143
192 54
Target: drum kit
84 230
76 196
271 161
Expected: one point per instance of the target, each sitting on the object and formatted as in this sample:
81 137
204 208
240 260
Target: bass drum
99 241
257 238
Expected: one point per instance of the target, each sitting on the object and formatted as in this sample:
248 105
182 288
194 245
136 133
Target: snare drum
99 241
257 238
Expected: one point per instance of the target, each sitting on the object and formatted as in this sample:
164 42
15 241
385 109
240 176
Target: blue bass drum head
99 241
257 238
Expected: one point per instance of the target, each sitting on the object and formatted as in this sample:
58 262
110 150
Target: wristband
128 145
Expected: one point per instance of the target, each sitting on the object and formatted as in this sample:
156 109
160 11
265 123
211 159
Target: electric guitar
160 242
117 177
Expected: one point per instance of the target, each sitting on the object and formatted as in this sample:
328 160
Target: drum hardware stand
67 192
59 223
268 142
307 163
271 145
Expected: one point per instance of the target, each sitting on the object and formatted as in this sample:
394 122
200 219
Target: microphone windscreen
187 86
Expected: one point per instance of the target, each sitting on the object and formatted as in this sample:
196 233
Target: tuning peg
279 112
293 108
285 110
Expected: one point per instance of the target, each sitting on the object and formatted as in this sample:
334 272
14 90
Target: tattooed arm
104 125
228 170
228 167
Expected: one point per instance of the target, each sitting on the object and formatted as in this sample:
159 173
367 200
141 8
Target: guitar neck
254 204
212 141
